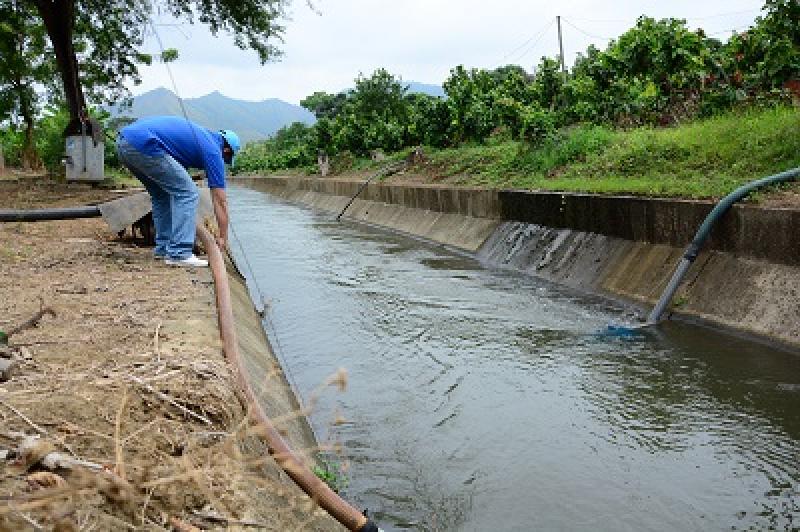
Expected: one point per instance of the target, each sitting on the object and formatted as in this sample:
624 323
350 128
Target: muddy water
481 399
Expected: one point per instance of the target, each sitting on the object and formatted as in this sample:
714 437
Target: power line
732 30
720 15
633 21
594 36
179 27
537 36
533 46
625 20
591 35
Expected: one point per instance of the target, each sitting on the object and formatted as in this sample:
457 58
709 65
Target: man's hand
222 242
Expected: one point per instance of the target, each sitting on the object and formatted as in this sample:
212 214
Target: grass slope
707 158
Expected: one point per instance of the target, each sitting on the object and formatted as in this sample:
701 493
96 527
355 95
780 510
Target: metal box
84 160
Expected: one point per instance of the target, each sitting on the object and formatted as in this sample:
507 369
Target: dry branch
22 416
229 521
33 321
170 400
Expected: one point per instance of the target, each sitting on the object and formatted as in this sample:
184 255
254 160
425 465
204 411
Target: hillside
705 158
251 120
426 88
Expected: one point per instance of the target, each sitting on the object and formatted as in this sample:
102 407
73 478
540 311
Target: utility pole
561 49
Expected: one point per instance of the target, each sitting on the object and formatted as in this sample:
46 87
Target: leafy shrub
537 124
291 147
568 146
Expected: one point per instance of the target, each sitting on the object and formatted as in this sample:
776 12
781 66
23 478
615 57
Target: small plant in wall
680 301
331 473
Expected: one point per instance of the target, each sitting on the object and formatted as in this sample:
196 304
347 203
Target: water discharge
483 399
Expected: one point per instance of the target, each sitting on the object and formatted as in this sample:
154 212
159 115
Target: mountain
250 120
415 87
425 88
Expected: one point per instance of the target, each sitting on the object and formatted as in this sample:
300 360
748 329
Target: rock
8 367
416 156
25 353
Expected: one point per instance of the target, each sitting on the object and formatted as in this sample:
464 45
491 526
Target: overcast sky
418 40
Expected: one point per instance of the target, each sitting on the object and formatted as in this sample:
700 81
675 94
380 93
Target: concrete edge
748 230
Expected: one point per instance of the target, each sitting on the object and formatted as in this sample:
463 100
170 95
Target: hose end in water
370 526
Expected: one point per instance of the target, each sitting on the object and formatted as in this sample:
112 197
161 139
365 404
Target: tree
114 32
374 115
324 105
664 52
504 73
768 54
380 95
26 63
428 120
548 82
470 102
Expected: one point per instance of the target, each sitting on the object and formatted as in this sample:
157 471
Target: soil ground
129 375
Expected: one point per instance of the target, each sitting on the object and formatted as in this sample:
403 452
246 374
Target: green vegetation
662 110
56 55
706 158
331 473
48 142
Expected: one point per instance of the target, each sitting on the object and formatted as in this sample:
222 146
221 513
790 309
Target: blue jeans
174 198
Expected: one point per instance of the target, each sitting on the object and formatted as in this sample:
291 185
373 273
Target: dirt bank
128 376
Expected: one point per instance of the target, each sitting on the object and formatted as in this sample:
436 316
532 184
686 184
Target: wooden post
324 163
561 49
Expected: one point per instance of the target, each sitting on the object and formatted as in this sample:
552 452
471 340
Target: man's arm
220 202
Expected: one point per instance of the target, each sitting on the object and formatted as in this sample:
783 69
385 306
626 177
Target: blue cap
233 141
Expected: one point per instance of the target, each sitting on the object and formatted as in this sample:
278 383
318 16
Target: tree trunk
30 157
2 161
25 97
59 20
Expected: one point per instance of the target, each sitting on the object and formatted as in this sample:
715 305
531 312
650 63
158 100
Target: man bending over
158 150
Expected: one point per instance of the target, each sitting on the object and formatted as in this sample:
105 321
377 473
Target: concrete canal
484 399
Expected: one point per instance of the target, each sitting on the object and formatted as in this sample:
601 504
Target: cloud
419 40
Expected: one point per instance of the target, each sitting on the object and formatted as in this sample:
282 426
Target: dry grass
129 379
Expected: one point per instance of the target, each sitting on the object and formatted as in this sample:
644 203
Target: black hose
704 232
38 215
385 171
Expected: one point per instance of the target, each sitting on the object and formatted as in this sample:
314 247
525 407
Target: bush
291 147
537 124
567 146
11 140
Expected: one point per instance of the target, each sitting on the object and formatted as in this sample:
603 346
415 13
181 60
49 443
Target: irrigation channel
483 399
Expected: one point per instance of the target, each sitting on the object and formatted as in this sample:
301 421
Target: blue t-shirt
193 146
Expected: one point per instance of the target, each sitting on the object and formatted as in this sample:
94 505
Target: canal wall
262 368
265 375
747 277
